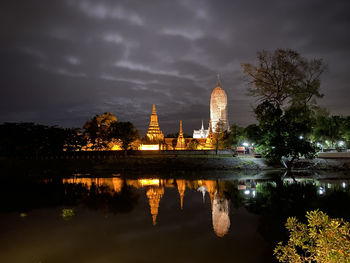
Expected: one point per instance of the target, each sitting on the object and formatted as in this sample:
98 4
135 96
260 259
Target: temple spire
181 143
154 133
181 132
218 83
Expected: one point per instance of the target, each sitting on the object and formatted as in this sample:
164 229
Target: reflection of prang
220 215
154 195
181 187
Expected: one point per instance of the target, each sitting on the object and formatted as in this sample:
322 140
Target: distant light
301 137
321 191
245 144
146 182
247 192
340 143
329 185
318 144
343 184
252 144
149 147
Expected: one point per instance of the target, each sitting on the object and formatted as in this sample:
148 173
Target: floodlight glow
247 192
301 137
245 144
321 191
340 143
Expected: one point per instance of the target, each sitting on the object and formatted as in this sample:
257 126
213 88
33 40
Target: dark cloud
63 61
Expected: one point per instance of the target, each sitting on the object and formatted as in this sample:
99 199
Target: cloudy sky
63 61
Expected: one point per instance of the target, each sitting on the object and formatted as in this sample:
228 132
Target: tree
236 136
193 145
219 136
97 129
323 239
286 86
331 129
74 139
124 131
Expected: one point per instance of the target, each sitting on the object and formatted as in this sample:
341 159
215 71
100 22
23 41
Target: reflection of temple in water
155 189
154 195
220 215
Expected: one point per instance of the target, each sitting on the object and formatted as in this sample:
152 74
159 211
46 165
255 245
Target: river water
81 218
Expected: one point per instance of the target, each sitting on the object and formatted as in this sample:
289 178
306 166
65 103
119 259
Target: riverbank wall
153 162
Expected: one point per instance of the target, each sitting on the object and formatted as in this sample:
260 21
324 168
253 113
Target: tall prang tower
218 107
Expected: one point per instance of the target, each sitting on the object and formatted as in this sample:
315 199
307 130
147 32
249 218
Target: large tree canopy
284 77
286 86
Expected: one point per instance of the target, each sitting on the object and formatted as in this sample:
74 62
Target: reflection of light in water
220 215
202 189
145 182
253 192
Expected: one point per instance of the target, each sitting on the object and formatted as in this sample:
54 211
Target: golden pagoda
154 195
209 142
181 144
154 133
181 187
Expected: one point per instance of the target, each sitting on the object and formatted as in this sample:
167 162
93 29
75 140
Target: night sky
62 62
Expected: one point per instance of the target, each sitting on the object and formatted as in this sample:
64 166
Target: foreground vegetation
322 239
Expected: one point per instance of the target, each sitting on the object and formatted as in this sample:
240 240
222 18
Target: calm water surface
87 219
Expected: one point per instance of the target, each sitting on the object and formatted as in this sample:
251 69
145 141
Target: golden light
149 147
116 147
146 182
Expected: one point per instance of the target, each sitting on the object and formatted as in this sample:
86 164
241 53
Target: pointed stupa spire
154 110
218 83
181 132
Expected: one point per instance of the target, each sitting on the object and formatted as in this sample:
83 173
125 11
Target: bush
323 239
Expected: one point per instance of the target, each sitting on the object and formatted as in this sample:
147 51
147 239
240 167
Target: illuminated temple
218 112
154 139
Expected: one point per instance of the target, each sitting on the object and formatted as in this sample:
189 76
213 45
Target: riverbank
161 164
